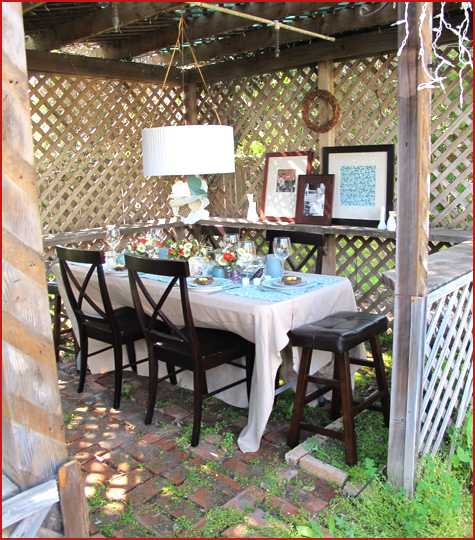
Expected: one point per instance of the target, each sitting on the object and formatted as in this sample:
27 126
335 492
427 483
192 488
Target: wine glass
113 237
281 247
248 249
158 240
231 240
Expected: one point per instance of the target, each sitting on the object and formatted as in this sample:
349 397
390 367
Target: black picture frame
364 175
315 199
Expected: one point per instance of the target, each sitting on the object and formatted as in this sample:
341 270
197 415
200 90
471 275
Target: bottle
382 219
391 226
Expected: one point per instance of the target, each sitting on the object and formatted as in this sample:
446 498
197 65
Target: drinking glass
281 246
231 240
249 249
158 239
113 239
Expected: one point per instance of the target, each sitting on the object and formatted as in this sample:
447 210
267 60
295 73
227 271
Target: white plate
218 283
276 283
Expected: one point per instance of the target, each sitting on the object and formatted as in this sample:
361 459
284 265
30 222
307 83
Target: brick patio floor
148 482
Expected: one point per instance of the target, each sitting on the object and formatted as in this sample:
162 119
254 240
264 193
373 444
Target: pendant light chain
179 45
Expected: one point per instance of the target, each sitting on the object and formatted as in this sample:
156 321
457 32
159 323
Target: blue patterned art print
357 185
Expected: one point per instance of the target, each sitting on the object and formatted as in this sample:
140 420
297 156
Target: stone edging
299 457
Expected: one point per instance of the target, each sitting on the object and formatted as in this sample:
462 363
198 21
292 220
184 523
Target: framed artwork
279 192
364 182
315 199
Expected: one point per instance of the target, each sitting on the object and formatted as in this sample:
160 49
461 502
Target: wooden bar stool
338 333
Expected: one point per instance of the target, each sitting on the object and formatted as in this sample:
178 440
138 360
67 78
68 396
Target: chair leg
131 356
249 370
152 384
117 374
84 349
381 377
300 393
199 383
343 361
336 393
57 325
171 372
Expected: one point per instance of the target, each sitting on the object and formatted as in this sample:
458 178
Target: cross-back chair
99 321
183 346
313 243
210 232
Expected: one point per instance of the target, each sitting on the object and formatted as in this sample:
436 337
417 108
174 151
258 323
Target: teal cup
163 253
218 272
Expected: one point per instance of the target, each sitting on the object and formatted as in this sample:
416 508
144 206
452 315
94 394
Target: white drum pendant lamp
188 150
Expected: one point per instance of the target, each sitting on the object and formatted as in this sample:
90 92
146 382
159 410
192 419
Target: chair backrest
313 250
150 308
77 290
210 232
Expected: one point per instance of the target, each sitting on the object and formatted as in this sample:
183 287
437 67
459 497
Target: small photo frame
279 192
315 199
364 182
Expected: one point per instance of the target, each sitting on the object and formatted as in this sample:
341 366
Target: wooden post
326 82
412 235
191 106
33 442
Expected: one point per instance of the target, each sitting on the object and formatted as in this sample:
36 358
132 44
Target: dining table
262 314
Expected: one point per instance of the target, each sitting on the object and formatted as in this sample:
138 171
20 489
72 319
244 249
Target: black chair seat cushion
339 332
212 342
52 287
127 320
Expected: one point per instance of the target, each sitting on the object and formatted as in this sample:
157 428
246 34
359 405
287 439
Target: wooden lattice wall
87 137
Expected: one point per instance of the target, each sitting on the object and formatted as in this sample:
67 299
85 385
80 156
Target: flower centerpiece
192 251
140 246
232 259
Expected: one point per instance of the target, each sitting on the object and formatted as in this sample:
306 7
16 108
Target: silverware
225 289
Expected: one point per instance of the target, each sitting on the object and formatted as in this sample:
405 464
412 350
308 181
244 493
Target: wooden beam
366 44
361 45
82 66
30 6
414 129
263 38
97 23
213 24
74 509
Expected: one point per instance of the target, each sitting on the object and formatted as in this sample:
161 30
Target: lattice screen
87 137
448 370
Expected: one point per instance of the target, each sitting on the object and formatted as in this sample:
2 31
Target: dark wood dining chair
211 233
184 347
309 254
116 327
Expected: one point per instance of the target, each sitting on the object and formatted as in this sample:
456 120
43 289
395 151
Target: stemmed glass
248 248
281 247
113 237
231 240
158 238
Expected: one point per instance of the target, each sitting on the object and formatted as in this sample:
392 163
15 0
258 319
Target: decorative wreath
336 111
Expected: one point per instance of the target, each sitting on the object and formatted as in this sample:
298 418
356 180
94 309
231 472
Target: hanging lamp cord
179 45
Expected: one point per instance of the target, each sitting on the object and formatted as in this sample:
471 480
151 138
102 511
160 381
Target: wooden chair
211 232
184 347
59 317
338 333
116 327
313 243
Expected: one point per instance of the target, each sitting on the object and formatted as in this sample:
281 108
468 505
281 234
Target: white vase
197 265
252 212
391 225
382 219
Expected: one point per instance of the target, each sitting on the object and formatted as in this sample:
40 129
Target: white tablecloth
264 323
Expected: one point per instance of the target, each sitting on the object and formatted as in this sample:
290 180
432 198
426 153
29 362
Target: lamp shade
187 150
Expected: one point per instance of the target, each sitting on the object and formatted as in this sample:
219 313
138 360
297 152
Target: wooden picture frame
279 191
315 199
364 182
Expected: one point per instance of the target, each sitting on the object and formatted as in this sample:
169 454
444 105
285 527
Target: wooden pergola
49 47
